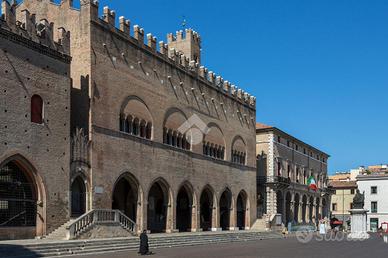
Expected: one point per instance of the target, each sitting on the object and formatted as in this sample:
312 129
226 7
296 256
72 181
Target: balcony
275 182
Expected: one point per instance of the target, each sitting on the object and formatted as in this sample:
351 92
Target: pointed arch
185 207
17 168
242 206
226 206
207 203
159 209
127 196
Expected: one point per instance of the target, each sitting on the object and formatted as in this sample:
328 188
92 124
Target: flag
311 183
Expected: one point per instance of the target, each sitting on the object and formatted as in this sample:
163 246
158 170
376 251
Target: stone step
61 248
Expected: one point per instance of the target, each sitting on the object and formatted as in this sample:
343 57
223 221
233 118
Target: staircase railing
100 216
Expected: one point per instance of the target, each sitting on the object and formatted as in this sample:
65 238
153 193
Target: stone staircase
259 225
60 233
47 248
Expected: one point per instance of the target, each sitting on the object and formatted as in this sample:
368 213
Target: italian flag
311 183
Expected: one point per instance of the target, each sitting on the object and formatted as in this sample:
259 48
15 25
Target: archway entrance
241 210
78 197
183 210
304 208
225 206
158 200
18 199
288 208
296 208
206 203
125 197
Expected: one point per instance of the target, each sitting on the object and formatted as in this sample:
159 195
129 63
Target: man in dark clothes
144 249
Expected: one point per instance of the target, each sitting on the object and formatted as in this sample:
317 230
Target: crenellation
151 41
210 77
94 7
170 38
191 34
41 32
125 25
163 48
138 34
28 21
193 66
179 35
45 30
185 61
201 71
64 39
233 90
68 3
226 86
175 50
219 81
110 16
239 93
9 13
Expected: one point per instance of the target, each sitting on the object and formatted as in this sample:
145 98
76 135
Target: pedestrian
380 230
144 248
284 231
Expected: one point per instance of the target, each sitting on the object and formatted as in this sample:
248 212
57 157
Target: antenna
184 22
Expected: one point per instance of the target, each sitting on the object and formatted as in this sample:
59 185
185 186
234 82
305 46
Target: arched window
149 131
142 129
138 119
122 122
135 126
36 109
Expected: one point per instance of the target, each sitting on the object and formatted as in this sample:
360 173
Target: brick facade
32 63
117 81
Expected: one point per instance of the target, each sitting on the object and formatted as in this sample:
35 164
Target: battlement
173 51
41 32
181 35
182 49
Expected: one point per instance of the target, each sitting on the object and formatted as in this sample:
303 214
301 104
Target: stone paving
290 247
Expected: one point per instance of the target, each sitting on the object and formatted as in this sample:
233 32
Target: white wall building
375 187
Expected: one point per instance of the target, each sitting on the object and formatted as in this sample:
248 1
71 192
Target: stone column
284 209
314 213
308 212
233 216
171 216
292 207
215 217
300 212
195 216
141 212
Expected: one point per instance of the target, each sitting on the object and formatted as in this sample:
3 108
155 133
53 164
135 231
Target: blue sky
319 69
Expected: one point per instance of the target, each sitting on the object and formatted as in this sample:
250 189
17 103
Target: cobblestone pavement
290 247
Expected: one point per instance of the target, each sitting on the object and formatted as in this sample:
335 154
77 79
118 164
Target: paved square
290 247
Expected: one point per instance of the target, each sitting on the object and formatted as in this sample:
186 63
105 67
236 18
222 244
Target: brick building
35 125
153 133
284 165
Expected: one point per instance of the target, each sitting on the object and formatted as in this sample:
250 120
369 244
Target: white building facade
375 187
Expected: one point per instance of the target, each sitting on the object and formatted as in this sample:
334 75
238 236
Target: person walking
144 247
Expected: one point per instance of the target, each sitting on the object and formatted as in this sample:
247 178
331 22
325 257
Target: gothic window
135 118
142 129
135 126
213 150
149 130
238 157
36 109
